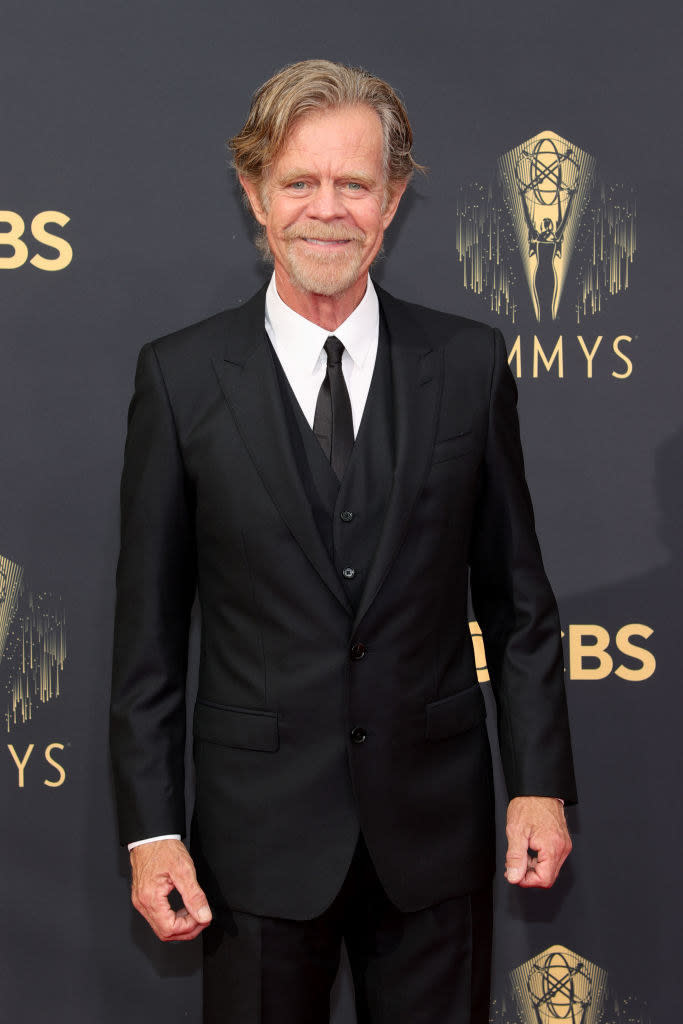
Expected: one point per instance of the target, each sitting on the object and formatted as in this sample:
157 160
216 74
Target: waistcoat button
358 735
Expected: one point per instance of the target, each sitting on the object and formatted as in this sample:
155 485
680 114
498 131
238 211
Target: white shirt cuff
141 842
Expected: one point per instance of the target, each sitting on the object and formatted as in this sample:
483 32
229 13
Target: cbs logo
593 654
13 232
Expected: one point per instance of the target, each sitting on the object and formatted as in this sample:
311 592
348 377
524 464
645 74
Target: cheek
374 233
281 215
374 221
375 225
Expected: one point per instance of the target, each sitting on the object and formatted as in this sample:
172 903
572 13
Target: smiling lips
331 238
326 241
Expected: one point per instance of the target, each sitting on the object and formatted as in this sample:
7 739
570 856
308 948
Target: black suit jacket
212 499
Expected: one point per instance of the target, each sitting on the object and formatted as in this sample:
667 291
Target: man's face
324 203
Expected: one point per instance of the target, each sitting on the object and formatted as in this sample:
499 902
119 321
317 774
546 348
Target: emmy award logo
559 989
547 183
546 208
558 985
546 180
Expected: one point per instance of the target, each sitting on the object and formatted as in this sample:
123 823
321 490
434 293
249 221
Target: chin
325 276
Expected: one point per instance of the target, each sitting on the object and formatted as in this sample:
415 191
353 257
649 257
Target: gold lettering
590 356
61 774
21 765
557 353
65 252
629 365
597 650
13 238
646 658
516 354
479 652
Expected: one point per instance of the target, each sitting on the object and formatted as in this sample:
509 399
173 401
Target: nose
326 203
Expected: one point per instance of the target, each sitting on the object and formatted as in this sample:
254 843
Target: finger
545 867
185 928
151 899
181 929
517 857
170 925
193 895
188 937
539 876
154 906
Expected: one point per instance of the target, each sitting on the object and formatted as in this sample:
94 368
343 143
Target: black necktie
333 421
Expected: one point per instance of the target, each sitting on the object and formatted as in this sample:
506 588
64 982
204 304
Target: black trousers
427 967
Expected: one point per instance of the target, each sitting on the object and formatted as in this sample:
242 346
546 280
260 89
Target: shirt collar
299 342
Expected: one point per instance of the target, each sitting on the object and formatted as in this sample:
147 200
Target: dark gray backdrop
115 114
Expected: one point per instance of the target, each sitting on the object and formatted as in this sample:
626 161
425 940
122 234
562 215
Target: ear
253 193
395 195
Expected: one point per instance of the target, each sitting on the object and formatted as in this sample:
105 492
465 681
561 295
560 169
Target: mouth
329 239
326 243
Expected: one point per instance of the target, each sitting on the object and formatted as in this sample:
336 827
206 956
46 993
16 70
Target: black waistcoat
349 514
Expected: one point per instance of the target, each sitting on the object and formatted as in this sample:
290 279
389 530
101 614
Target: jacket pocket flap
452 715
452 447
236 727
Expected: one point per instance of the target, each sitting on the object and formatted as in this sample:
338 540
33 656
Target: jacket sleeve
516 610
155 586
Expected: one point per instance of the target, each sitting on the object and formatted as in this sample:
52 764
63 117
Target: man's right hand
158 869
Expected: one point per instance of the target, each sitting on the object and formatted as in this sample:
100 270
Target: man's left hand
538 841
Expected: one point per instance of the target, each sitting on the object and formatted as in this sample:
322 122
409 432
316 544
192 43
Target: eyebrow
302 175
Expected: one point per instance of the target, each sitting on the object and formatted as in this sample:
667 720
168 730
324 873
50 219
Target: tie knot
334 349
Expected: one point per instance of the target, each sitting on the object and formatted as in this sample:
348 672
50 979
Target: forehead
333 139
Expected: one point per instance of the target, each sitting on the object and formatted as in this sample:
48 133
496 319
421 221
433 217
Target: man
328 466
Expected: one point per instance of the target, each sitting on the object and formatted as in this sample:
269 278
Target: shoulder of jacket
209 336
434 320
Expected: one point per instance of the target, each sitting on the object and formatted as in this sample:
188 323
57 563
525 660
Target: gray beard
313 281
324 276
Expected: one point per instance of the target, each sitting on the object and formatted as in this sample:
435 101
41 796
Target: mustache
324 233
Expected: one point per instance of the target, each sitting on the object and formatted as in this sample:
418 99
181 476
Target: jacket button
357 651
348 574
358 735
346 516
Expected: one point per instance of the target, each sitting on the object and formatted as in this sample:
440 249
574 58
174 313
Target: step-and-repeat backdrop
550 132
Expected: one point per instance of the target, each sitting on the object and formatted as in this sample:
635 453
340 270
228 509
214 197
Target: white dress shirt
298 344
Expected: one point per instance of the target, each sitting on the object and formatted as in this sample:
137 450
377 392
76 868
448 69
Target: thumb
516 861
193 895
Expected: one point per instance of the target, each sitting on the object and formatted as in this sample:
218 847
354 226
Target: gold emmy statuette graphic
559 985
547 210
547 183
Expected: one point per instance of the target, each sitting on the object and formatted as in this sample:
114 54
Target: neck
327 311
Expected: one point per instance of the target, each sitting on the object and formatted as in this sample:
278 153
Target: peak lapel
249 382
417 377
